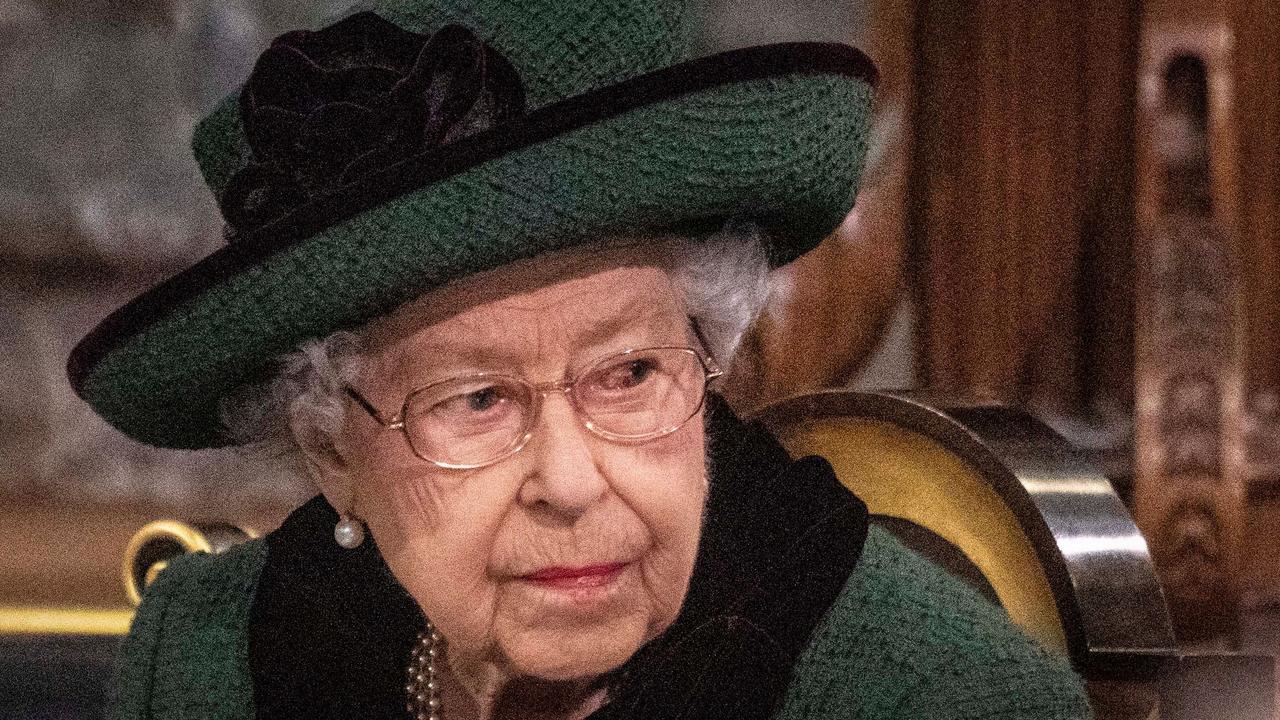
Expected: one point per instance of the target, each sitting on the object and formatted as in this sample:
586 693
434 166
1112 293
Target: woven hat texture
610 128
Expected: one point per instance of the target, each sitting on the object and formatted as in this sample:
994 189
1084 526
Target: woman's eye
482 401
629 374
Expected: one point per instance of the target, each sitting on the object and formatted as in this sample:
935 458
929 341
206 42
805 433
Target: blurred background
1072 206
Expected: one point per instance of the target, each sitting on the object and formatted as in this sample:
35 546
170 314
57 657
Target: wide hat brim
775 133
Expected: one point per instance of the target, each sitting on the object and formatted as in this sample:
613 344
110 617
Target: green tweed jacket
798 609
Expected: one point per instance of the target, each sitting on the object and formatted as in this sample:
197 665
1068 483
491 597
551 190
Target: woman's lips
575 577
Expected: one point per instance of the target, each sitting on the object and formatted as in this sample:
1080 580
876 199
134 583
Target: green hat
404 147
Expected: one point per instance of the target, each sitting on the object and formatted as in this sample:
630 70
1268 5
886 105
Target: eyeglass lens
630 396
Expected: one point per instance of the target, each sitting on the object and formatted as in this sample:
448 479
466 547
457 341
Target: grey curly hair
723 278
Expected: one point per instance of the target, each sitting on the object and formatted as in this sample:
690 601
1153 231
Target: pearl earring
348 533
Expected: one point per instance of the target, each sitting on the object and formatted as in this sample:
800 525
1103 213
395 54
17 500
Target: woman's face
560 561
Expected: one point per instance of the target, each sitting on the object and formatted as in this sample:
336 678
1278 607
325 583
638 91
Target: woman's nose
562 473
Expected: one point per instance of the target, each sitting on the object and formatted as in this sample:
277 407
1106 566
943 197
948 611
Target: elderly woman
485 264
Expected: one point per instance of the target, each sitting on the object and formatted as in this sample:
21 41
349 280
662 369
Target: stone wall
98 200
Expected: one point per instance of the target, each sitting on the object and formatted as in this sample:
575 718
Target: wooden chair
1003 502
1044 529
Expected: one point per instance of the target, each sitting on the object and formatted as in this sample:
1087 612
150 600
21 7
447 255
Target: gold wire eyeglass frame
539 392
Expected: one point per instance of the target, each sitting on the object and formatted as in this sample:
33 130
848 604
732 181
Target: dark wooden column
1020 213
1105 274
1256 28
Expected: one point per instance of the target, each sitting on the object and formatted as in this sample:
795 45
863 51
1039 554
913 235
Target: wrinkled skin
461 540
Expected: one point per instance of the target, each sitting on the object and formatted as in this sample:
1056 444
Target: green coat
799 607
903 640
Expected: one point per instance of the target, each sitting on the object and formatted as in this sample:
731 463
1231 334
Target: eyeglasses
476 420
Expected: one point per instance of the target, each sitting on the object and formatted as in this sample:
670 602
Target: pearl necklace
423 686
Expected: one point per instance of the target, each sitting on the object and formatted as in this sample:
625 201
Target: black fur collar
331 630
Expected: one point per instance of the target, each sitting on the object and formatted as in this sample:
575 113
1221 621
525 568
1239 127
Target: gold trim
18 620
154 570
188 536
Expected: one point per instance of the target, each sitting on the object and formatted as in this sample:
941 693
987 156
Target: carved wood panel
1206 381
